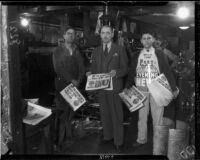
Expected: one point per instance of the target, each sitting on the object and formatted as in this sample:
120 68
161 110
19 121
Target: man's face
147 40
106 34
157 43
69 35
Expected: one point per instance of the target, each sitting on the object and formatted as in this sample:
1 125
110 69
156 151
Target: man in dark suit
112 59
69 67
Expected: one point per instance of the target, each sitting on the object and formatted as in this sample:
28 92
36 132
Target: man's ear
112 34
153 39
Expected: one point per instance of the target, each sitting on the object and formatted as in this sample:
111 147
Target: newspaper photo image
36 113
73 96
97 81
161 90
133 98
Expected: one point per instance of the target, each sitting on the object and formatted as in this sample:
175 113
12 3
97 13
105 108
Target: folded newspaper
133 98
73 96
36 114
161 90
99 81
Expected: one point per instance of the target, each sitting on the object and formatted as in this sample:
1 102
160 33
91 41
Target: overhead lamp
24 22
184 27
183 12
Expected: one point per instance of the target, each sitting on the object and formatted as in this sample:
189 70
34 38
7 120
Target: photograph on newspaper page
97 81
73 96
133 98
36 113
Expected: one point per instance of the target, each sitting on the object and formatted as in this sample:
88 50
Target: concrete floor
89 143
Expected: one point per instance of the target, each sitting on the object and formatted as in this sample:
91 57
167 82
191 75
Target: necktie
106 50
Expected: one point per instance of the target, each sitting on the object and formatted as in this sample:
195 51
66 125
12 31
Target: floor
89 143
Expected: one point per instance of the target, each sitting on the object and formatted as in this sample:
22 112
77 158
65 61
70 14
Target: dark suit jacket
115 60
67 67
163 65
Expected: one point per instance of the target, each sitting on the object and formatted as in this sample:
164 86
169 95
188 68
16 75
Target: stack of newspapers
72 95
99 81
133 98
161 90
36 113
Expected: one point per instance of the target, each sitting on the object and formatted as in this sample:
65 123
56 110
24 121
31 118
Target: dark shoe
118 148
136 144
104 142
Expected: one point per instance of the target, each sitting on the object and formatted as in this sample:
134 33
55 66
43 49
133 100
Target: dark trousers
111 111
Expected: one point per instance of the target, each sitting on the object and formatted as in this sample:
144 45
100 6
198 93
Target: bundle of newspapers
161 90
99 81
73 96
36 114
133 98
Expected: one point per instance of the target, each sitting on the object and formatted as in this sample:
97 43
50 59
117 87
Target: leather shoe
104 142
136 144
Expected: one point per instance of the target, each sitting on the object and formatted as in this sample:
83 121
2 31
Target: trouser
157 115
64 118
111 111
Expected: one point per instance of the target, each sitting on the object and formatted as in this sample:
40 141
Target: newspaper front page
98 81
73 96
133 98
161 90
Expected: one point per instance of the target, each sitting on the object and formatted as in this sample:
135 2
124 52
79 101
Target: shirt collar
108 45
150 50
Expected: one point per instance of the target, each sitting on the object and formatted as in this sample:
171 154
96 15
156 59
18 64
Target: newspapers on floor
36 113
133 98
99 81
73 96
161 90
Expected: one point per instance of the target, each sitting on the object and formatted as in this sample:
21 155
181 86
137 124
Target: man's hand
88 74
175 93
75 83
112 73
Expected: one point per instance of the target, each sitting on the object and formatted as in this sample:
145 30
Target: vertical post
16 113
6 136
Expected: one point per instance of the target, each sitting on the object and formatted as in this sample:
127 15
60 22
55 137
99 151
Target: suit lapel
110 54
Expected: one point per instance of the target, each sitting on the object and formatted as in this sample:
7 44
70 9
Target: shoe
104 142
118 148
136 144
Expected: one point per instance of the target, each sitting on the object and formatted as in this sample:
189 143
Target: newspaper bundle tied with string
133 98
160 90
72 96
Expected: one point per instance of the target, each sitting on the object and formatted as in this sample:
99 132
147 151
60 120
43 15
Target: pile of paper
73 96
161 90
99 81
36 114
133 98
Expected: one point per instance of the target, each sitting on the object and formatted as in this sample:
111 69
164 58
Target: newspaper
161 90
36 114
110 87
73 96
98 81
133 98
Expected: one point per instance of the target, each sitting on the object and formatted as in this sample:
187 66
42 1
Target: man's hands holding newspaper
88 74
175 93
75 83
112 73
